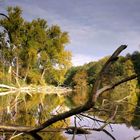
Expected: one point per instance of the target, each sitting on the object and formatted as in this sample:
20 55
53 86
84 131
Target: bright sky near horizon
96 27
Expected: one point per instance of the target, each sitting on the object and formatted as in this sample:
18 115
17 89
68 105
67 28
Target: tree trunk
17 72
43 73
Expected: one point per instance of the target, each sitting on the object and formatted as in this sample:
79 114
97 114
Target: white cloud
80 59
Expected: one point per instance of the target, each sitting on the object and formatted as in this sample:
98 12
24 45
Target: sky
96 27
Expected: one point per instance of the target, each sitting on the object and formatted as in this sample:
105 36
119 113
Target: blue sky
96 27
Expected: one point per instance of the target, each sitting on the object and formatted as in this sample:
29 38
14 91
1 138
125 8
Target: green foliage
80 79
69 76
34 46
34 77
135 57
124 95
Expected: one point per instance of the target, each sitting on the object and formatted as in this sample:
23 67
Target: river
32 109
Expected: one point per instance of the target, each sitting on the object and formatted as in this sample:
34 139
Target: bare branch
109 87
75 129
5 16
7 87
110 119
105 131
5 27
80 130
14 128
61 117
137 137
89 117
98 80
16 136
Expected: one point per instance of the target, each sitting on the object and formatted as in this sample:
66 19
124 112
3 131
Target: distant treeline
126 96
86 74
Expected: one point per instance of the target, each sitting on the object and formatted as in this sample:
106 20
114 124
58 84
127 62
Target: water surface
24 109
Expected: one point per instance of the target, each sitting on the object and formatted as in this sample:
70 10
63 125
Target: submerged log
79 130
69 130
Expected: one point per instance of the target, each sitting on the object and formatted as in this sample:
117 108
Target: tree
135 57
80 80
124 95
69 76
131 85
36 47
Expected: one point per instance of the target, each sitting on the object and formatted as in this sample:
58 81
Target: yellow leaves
80 79
64 38
64 59
34 77
54 31
32 56
37 38
129 68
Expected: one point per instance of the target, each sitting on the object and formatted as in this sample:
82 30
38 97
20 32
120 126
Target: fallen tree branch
76 110
90 103
112 59
110 119
94 119
75 129
136 137
105 131
109 87
94 95
61 116
80 130
9 128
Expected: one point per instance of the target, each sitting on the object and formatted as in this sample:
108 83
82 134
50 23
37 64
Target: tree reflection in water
32 109
127 115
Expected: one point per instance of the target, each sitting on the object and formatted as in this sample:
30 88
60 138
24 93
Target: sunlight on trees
34 46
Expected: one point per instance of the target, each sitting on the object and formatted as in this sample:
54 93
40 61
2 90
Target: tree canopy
34 51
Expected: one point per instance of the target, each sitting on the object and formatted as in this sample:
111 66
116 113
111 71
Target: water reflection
31 110
136 119
26 109
119 131
126 123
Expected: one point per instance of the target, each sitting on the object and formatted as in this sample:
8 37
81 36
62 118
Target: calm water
26 109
